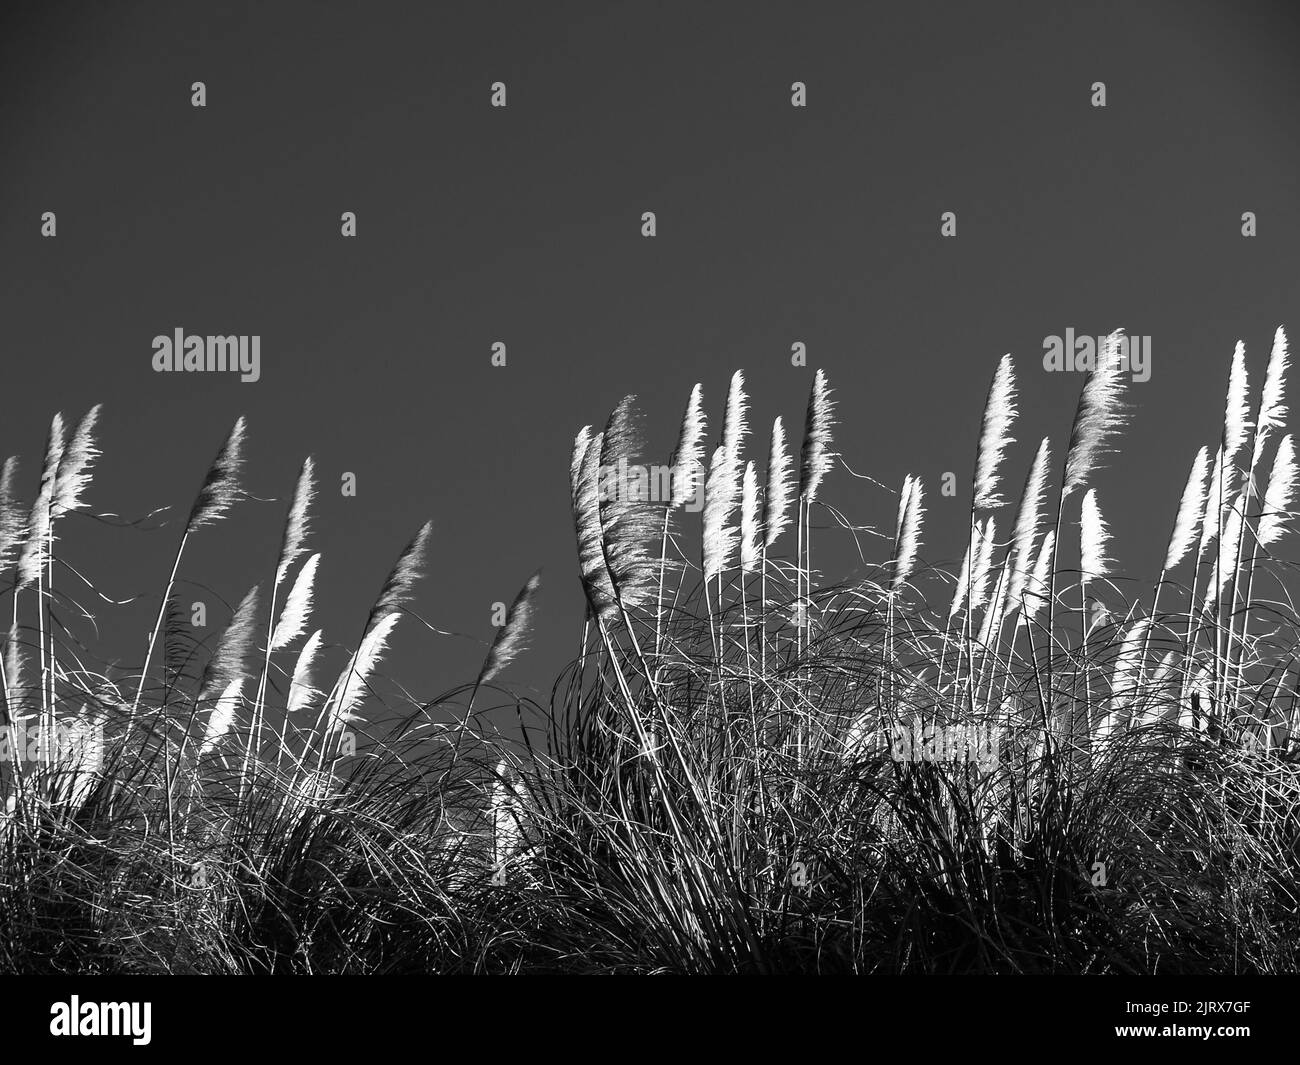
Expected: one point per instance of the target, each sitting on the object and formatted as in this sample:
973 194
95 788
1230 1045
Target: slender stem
659 597
157 628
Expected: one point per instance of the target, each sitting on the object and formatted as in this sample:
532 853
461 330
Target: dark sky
522 225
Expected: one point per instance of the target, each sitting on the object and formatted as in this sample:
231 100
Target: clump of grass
738 801
745 768
220 809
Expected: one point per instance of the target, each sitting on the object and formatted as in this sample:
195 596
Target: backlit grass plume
1272 404
229 659
512 637
12 519
293 544
907 537
1236 413
750 519
723 486
354 681
399 588
1094 540
630 520
296 616
35 551
982 569
817 457
721 492
221 489
585 498
779 492
1029 521
995 436
735 422
687 462
75 465
1230 544
302 688
1190 511
1215 506
221 719
1098 418
1279 498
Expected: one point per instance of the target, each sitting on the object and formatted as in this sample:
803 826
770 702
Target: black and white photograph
650 488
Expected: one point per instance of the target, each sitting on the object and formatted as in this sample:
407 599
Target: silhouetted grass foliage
1010 769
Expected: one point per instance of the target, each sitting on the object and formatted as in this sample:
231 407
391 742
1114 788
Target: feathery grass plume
1272 404
735 424
720 536
722 487
296 525
1099 416
986 537
817 457
180 642
1231 542
630 520
75 464
222 718
301 690
227 660
36 547
580 444
297 608
687 462
749 515
1280 494
1094 539
398 590
907 538
994 615
780 485
1212 517
15 696
1126 678
584 478
1029 521
1037 588
1190 511
1236 413
12 517
995 436
220 490
356 678
512 638
963 581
